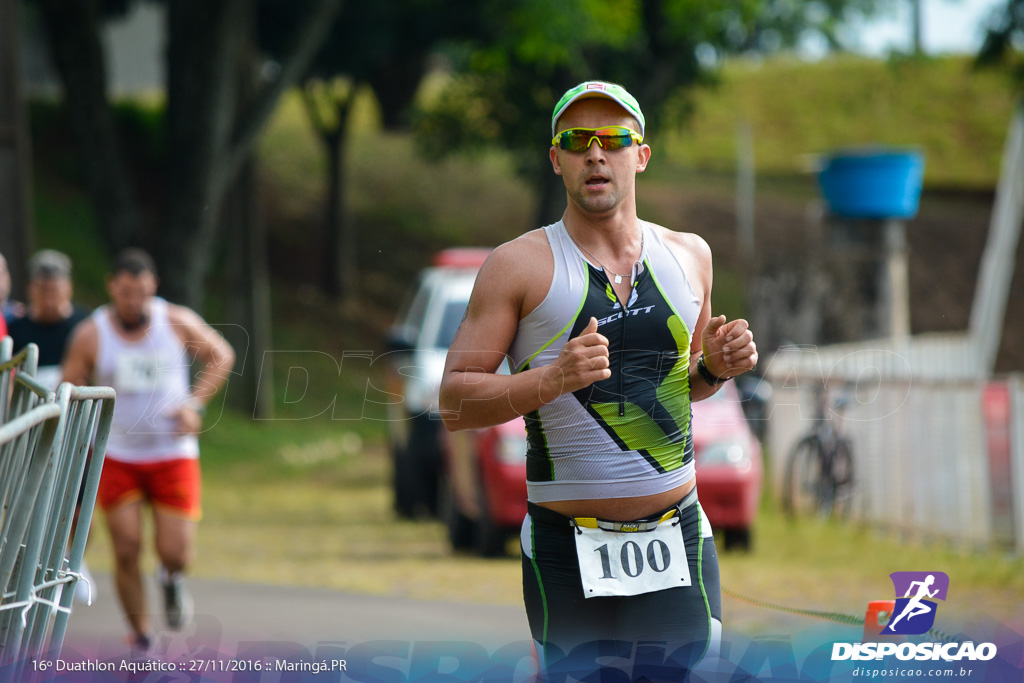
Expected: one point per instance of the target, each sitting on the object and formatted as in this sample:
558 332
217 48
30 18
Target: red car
729 467
419 342
483 486
483 482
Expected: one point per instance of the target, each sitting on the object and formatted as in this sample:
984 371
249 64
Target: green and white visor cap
611 91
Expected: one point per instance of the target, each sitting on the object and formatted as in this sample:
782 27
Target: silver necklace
618 278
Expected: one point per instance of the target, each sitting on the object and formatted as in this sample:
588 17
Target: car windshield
450 320
411 314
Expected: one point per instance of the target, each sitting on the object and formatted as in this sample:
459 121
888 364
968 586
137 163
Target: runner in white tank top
137 344
151 377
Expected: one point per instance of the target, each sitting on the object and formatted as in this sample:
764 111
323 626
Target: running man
606 321
141 346
915 607
49 319
50 316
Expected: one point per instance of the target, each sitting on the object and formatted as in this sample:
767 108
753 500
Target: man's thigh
124 521
175 536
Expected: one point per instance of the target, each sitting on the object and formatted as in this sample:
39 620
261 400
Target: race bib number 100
623 563
137 372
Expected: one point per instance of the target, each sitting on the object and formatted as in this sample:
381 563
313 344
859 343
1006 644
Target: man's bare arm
80 355
472 395
727 347
209 347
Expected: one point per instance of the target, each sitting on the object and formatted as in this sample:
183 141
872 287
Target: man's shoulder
519 256
692 253
18 324
78 314
690 242
518 271
86 324
23 330
84 334
178 314
532 243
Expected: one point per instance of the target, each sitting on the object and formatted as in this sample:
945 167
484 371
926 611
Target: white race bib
632 563
49 376
137 372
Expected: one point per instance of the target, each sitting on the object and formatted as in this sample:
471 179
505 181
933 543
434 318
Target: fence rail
45 461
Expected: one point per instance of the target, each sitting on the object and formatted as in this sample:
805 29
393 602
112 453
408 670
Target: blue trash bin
872 183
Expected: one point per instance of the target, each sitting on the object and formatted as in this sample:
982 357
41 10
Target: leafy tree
16 236
211 123
219 98
73 33
1004 40
381 46
506 80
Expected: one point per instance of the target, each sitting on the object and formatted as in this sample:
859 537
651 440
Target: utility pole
15 152
995 276
745 179
917 17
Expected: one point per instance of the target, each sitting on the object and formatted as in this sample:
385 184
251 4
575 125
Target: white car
419 341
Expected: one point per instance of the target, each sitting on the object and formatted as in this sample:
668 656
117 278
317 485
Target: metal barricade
45 440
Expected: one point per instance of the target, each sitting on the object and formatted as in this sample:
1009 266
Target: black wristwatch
706 375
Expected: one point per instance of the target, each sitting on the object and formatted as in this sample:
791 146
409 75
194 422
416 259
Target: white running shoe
178 605
85 589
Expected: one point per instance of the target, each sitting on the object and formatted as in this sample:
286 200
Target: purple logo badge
915 607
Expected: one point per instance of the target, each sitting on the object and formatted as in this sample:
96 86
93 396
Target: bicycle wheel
803 487
842 478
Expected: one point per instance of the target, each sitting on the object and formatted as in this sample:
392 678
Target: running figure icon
915 606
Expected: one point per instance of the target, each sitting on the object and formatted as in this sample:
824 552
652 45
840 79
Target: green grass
833 567
957 115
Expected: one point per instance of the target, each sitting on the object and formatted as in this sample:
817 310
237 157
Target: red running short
173 485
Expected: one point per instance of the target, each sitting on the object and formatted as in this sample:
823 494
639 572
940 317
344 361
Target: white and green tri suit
626 436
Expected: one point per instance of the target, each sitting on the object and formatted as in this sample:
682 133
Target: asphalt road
231 617
392 639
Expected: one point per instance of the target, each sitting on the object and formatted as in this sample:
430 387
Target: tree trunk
339 234
209 134
248 280
917 30
248 286
15 154
73 33
395 84
202 93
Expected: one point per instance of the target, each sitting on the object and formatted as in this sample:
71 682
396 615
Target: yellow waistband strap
591 522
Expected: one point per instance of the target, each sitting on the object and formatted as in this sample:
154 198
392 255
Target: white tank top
151 377
627 436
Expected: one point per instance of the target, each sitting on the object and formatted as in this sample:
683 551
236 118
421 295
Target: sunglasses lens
617 140
580 139
572 140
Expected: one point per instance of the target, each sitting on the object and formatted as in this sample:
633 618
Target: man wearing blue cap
606 322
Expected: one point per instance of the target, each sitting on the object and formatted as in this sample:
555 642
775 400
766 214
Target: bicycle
819 477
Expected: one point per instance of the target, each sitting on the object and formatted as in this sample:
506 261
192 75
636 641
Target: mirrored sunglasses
609 137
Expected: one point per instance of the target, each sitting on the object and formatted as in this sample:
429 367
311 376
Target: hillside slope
956 114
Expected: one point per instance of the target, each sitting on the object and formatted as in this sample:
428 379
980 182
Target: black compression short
563 621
